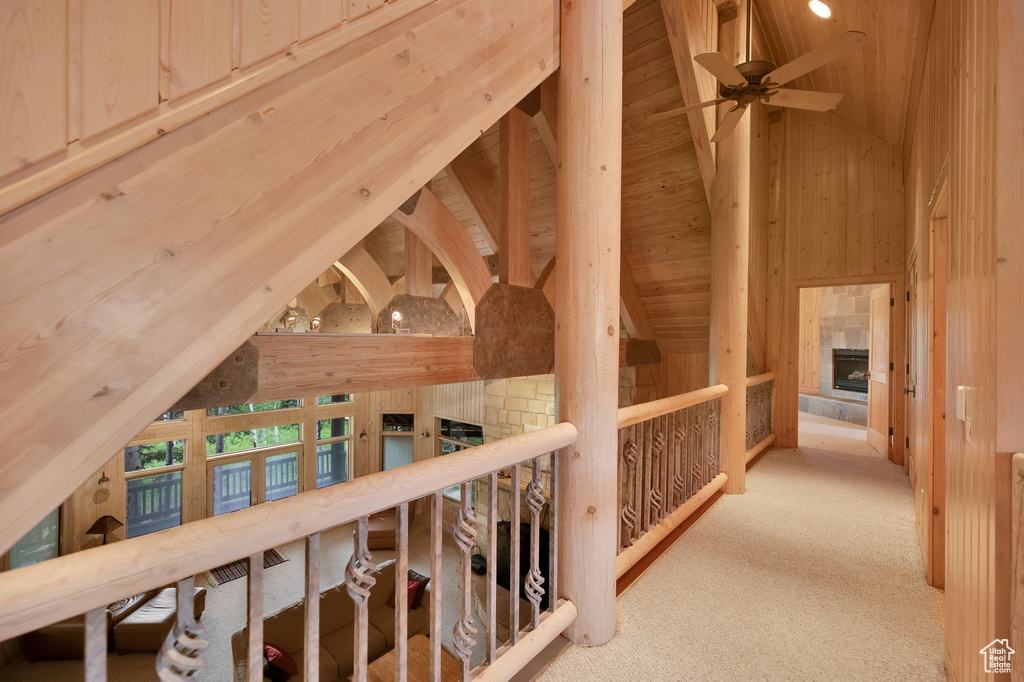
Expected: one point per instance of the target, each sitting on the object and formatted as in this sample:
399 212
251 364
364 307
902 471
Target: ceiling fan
762 80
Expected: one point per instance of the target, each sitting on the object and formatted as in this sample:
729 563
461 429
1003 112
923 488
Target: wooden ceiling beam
631 307
469 179
126 286
514 197
681 22
447 238
362 270
419 263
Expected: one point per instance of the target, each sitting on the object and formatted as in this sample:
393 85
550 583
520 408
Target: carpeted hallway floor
813 574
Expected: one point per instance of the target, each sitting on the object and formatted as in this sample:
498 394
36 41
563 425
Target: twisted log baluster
629 455
178 658
679 440
656 498
534 580
358 581
465 533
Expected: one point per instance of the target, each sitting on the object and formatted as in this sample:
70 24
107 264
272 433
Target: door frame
789 399
938 245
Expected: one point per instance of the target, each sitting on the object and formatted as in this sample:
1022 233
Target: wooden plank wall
757 300
666 222
967 129
810 339
88 80
835 216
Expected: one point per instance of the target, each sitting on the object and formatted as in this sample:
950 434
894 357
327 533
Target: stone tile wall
845 323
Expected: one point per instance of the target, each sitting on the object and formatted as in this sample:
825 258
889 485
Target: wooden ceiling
666 222
875 80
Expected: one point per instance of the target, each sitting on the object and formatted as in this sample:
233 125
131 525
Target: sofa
138 623
285 629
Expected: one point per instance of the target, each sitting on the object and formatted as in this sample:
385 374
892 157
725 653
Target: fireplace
850 369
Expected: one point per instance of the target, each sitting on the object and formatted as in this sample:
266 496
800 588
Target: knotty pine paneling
33 81
835 216
200 43
117 74
966 130
120 62
666 223
844 194
810 339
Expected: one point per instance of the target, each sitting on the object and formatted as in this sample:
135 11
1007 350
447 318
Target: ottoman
65 639
146 627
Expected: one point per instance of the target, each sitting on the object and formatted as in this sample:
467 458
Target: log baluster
553 534
436 536
179 656
492 573
96 645
359 581
254 597
465 532
534 580
401 595
514 560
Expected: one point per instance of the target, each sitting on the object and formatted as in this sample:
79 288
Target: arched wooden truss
447 238
359 266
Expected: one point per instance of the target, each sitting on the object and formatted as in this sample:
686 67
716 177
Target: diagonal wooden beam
446 237
362 270
125 287
631 307
681 22
469 178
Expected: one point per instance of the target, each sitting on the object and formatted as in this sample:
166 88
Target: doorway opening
845 363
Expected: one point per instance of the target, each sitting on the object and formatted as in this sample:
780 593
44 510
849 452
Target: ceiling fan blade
721 68
728 123
815 58
672 113
805 99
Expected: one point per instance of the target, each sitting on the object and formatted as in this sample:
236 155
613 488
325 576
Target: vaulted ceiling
875 81
666 221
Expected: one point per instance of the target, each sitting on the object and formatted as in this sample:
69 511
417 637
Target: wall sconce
104 482
425 433
362 434
396 322
314 324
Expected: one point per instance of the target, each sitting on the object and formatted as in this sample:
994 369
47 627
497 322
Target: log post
730 240
587 308
514 196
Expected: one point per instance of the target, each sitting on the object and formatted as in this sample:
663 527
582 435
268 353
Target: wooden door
878 364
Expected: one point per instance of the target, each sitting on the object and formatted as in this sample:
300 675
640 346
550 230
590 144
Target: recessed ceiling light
820 8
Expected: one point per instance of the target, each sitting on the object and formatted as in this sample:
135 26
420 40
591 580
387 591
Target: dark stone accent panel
346 318
642 352
233 382
515 333
420 315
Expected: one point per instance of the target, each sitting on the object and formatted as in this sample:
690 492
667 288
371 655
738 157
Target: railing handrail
760 379
634 414
44 593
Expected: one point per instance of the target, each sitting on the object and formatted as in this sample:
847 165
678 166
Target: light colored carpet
813 574
283 585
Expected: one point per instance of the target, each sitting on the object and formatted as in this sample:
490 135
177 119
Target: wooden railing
669 464
760 427
51 591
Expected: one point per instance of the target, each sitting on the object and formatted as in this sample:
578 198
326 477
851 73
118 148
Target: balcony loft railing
670 460
760 425
54 590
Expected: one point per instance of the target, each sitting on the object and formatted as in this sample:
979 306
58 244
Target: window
396 441
232 487
454 436
280 476
154 455
170 417
332 448
328 399
153 503
250 439
41 543
397 422
254 407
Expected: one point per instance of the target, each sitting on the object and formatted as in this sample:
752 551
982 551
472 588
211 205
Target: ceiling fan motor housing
754 71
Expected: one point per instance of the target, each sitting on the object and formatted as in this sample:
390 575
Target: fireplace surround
850 369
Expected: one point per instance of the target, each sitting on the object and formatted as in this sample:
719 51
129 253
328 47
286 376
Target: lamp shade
104 525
